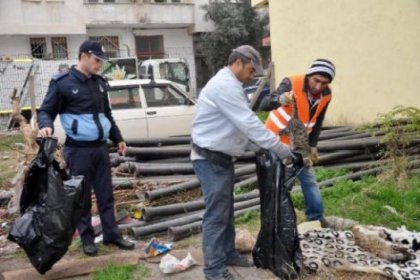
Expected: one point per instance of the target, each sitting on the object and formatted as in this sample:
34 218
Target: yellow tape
9 111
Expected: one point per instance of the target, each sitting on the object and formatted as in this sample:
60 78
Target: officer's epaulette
59 76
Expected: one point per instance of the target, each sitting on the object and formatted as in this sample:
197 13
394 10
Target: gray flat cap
251 53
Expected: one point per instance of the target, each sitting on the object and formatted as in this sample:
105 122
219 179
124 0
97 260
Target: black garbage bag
277 247
51 206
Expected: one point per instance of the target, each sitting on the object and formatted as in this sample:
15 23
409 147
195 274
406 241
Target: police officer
80 97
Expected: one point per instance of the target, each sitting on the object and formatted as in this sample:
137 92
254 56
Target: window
110 43
38 47
59 47
163 96
124 98
174 71
149 46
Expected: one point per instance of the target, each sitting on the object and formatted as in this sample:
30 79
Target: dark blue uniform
85 114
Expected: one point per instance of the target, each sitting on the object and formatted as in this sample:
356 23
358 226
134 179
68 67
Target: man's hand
122 148
284 152
286 98
314 155
46 132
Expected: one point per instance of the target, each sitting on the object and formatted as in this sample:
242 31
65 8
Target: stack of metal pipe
166 161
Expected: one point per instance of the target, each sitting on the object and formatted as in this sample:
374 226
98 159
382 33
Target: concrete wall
43 17
19 45
14 45
375 45
200 23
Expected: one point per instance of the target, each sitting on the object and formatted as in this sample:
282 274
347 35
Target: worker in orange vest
313 95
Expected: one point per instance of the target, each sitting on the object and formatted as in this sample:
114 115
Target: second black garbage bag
277 247
51 206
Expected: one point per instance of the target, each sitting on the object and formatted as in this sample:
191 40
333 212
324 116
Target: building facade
374 44
54 29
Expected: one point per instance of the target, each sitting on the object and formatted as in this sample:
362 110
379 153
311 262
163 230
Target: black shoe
90 249
121 243
225 276
240 260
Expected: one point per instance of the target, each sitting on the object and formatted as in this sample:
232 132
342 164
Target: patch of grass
21 255
7 140
323 173
244 189
115 272
364 201
250 220
142 272
193 241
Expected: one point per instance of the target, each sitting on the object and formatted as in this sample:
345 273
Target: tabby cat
299 138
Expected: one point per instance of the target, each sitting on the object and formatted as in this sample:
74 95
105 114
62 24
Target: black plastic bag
51 206
277 247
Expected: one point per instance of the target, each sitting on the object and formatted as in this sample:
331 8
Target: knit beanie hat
322 66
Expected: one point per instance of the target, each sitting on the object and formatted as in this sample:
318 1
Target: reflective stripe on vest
278 118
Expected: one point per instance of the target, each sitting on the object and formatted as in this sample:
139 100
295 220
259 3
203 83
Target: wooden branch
29 133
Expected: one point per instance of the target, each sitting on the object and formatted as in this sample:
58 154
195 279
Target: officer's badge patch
75 90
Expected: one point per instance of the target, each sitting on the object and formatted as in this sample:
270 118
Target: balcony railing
109 1
141 13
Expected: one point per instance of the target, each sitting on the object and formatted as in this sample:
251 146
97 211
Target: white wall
20 45
200 24
374 44
14 45
44 17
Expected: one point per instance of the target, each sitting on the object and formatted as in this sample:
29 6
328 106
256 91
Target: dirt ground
17 261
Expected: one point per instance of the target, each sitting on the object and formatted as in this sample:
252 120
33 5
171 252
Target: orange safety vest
278 118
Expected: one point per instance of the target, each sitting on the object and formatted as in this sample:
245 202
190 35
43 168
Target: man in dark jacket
81 99
313 95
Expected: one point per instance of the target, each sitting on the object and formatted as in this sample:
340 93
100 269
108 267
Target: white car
147 109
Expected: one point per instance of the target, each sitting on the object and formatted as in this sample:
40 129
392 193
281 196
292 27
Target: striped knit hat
322 66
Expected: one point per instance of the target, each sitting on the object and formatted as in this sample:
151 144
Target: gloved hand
314 155
297 160
286 98
283 151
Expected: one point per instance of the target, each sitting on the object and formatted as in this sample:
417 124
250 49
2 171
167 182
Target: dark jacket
271 102
84 109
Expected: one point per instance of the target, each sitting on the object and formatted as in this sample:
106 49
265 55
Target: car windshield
174 71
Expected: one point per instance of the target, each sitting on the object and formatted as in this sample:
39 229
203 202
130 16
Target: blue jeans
314 209
218 222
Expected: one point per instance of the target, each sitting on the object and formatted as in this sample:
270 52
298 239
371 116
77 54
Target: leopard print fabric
324 249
